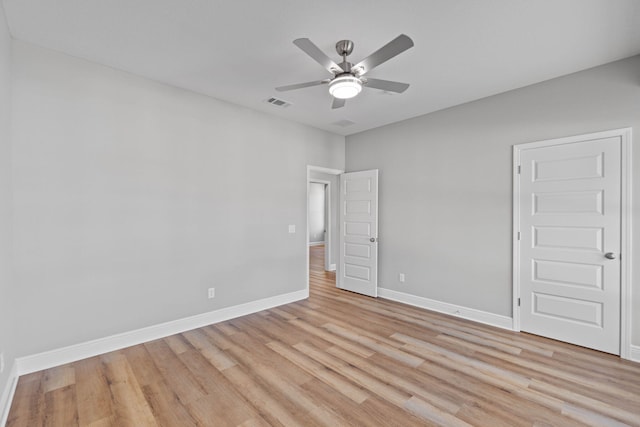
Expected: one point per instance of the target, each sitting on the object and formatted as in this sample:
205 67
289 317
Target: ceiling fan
348 79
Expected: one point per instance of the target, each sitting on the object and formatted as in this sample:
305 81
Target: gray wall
131 198
446 182
335 193
7 303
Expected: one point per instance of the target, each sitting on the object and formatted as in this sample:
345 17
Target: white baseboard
332 267
480 316
61 356
7 394
635 353
316 243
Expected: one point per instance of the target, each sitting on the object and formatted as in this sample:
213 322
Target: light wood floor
337 359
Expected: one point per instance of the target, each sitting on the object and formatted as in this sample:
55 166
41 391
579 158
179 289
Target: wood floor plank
177 344
141 362
290 391
287 370
403 382
594 405
372 412
376 345
209 409
492 398
266 404
60 408
332 338
174 372
533 368
27 408
104 422
229 406
128 401
92 390
60 377
213 354
165 405
320 372
391 394
337 359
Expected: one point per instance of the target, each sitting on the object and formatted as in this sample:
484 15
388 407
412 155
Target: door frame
625 226
330 221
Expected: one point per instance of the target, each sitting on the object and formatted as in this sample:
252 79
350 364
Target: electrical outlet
401 277
212 293
1 363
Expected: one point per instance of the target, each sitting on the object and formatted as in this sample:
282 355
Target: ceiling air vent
278 102
344 123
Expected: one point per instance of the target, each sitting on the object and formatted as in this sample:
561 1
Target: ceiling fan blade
319 56
385 53
301 85
338 103
387 85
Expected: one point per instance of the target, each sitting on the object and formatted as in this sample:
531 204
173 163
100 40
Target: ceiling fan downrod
344 49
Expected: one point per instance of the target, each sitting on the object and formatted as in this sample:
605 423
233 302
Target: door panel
569 218
358 266
577 238
567 273
587 312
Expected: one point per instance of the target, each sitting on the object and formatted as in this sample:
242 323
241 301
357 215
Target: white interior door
570 205
358 265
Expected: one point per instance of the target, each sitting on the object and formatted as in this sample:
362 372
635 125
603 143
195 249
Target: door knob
372 240
610 255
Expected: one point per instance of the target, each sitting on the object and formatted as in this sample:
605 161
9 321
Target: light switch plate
292 228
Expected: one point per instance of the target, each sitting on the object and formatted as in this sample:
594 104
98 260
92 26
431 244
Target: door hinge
519 169
518 302
518 235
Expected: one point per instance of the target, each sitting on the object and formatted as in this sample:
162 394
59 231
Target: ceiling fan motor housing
344 47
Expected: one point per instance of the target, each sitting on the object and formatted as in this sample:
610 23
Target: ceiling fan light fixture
347 79
345 87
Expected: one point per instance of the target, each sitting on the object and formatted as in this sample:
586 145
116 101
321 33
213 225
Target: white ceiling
240 50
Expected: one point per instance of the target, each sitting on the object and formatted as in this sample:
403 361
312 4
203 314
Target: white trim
515 219
626 308
330 172
332 267
634 353
316 243
8 393
504 322
72 353
321 169
626 214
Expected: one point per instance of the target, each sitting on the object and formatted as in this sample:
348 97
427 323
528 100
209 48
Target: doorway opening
322 225
318 215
